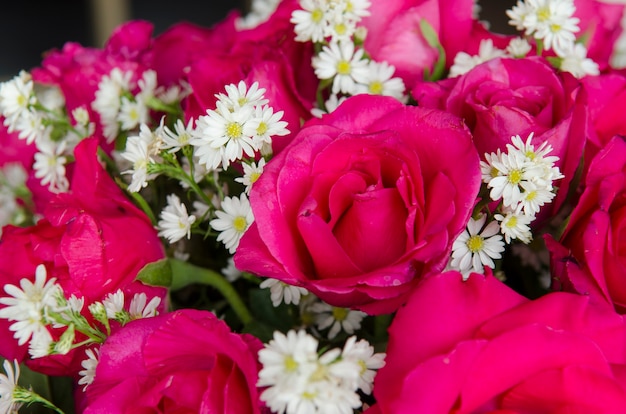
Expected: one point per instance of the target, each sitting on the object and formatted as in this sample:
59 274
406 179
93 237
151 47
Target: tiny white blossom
180 137
27 304
282 292
342 63
264 125
41 344
8 385
311 21
31 127
88 374
518 47
240 96
575 61
107 101
515 226
175 223
330 105
380 81
137 152
114 304
476 247
230 271
551 21
232 221
338 319
132 113
16 96
363 354
251 173
464 62
139 309
49 165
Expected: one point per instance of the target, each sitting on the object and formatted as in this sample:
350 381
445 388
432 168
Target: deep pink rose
506 97
606 96
394 34
363 203
187 361
267 54
591 256
92 239
479 347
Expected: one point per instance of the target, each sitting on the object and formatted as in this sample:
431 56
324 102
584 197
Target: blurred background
31 27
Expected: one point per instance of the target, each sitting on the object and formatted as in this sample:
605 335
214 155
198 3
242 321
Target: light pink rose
476 346
363 203
92 239
590 257
187 361
394 34
506 97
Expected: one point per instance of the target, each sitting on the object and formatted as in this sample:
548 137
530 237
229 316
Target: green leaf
157 273
432 39
278 318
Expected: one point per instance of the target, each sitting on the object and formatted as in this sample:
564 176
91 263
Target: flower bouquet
323 206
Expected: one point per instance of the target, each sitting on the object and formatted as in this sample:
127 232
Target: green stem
186 273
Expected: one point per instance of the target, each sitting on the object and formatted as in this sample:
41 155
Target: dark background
31 27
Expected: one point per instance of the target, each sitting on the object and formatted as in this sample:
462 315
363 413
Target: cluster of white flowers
334 25
549 21
299 380
35 306
124 103
521 181
282 292
321 20
38 115
242 123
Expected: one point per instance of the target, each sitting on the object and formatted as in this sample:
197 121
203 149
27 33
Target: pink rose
591 256
184 361
92 239
506 97
394 34
479 347
606 95
363 203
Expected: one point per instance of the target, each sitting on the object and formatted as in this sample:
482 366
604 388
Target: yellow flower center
340 314
515 176
531 195
233 130
343 67
340 28
543 14
376 88
254 177
475 243
240 224
512 222
290 364
261 129
317 15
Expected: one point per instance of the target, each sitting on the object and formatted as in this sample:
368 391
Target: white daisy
339 27
329 106
220 136
265 124
132 113
553 22
147 86
339 61
515 226
282 292
380 81
27 304
576 62
232 221
16 96
88 374
239 96
477 247
8 387
518 47
49 165
107 100
180 137
362 353
41 344
513 169
464 62
311 21
137 153
251 173
338 319
286 357
31 127
114 305
175 223
518 14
